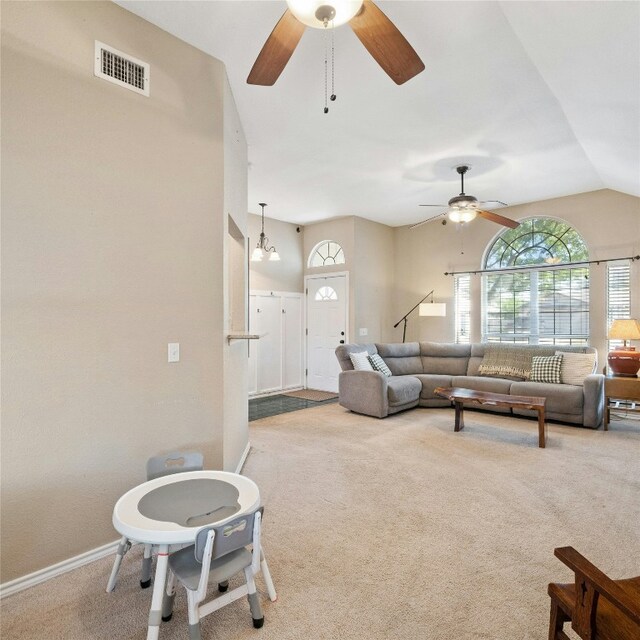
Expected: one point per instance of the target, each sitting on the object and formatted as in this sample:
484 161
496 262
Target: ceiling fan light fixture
462 215
314 12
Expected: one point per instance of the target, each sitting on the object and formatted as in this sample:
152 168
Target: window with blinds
618 295
536 306
462 294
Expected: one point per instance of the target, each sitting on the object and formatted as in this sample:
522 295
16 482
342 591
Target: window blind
618 295
462 292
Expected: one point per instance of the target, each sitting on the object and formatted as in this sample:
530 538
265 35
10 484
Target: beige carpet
311 394
396 528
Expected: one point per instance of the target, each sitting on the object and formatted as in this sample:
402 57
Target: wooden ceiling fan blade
276 51
386 44
495 217
419 224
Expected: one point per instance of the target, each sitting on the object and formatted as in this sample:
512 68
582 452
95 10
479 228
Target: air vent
121 69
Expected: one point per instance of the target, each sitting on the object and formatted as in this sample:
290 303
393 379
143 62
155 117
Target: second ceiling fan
464 208
377 33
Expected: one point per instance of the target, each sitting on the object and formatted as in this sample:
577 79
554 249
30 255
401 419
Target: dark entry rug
275 405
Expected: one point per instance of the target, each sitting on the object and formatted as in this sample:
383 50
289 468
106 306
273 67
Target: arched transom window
326 253
536 241
527 300
326 293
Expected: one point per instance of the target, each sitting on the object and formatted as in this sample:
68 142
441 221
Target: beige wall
287 274
608 221
234 404
373 284
113 237
369 259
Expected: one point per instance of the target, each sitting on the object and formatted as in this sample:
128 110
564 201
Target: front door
327 328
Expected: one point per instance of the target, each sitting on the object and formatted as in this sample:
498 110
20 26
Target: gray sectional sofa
419 368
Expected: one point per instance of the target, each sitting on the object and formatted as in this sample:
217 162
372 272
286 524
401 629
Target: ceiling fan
377 33
464 208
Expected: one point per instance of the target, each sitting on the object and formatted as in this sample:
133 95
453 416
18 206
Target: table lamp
624 361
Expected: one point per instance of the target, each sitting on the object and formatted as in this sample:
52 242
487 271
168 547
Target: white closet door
269 364
292 332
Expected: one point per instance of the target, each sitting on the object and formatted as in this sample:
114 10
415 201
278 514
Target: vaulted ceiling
542 99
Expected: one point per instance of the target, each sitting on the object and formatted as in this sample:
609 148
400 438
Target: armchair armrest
593 400
585 571
364 392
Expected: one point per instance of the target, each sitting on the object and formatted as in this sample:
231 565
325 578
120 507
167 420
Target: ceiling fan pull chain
326 57
333 64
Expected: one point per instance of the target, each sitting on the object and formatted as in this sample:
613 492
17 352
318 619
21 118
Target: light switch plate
173 352
363 332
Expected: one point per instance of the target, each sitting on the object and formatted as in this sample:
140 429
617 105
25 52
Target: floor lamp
426 309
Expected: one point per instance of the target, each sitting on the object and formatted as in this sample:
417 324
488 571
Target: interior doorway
327 327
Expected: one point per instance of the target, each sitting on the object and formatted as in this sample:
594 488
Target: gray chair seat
561 398
403 389
187 569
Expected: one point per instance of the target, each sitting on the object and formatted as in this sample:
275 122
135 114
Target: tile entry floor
274 405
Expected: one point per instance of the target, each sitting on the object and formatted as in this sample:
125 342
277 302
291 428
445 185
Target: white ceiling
542 99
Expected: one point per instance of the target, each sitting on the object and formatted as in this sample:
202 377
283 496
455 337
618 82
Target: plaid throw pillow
546 369
379 365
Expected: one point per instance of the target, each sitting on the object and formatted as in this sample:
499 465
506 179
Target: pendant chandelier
262 248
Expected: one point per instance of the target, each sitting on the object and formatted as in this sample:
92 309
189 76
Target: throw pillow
546 369
360 361
506 362
576 367
379 365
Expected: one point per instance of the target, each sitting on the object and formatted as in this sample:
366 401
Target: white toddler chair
218 554
157 466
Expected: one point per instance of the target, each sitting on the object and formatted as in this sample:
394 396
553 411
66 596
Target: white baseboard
32 579
243 458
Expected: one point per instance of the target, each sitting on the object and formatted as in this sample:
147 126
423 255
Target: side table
620 388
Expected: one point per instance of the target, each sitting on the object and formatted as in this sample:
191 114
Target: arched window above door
325 254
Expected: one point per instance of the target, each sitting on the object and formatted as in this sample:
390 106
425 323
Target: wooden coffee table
459 396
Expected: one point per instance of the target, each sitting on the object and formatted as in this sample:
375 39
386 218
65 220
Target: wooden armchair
597 607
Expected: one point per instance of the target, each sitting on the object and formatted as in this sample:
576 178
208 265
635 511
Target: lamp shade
625 329
433 309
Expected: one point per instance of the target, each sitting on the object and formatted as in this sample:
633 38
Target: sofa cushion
576 366
378 364
403 389
360 361
561 398
402 358
431 381
482 383
445 358
546 369
343 352
477 354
